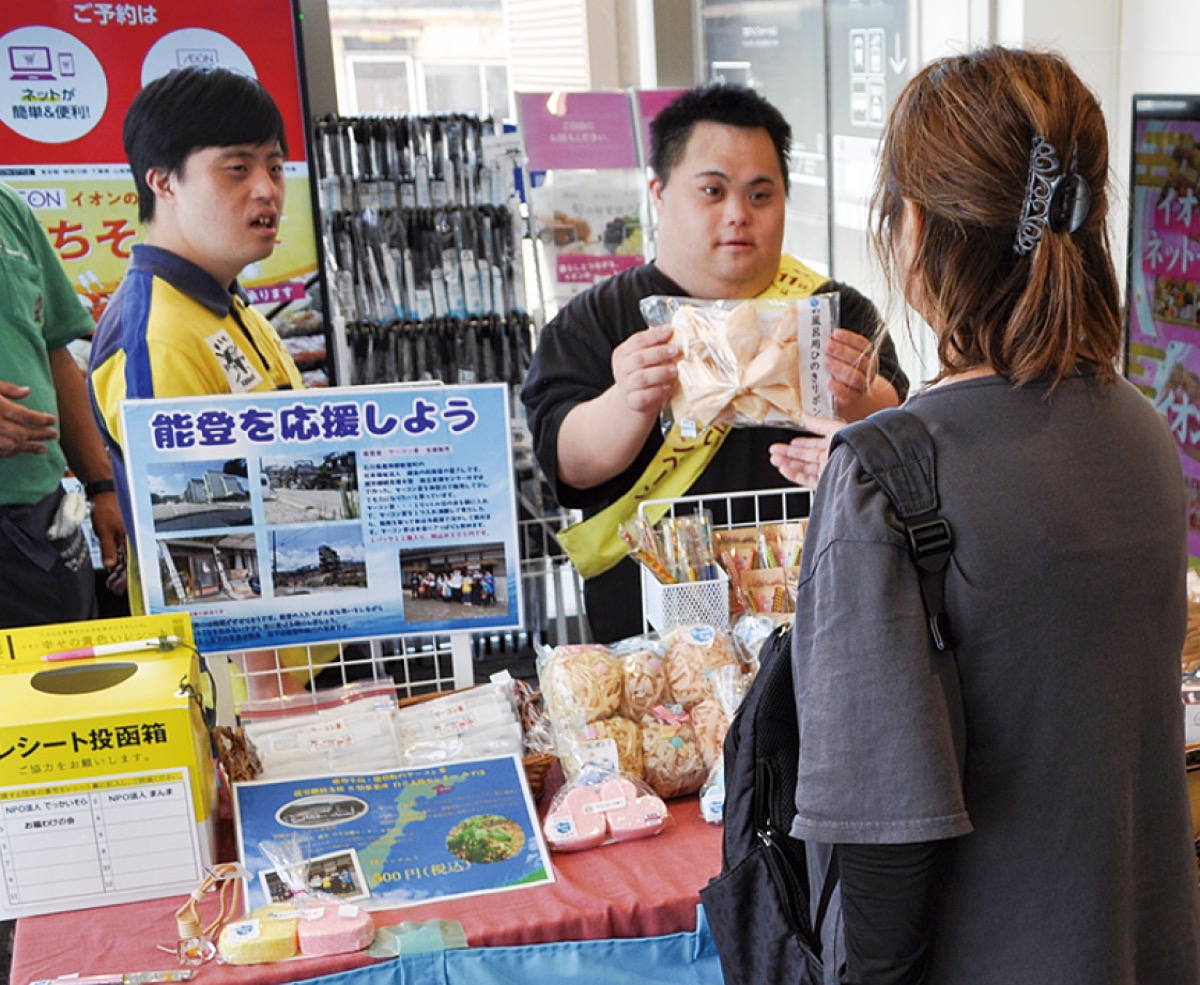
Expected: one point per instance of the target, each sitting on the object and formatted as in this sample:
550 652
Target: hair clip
1070 203
1053 200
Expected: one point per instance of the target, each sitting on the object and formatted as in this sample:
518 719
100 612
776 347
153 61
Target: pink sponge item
576 823
334 928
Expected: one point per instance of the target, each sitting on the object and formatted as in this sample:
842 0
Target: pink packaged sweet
630 812
573 822
601 806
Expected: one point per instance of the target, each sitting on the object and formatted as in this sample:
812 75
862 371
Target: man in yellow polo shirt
207 151
599 378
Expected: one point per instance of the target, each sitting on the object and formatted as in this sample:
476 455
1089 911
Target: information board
346 513
395 838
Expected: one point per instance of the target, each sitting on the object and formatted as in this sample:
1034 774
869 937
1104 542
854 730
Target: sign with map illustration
394 838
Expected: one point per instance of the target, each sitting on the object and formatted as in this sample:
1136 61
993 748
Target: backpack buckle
930 543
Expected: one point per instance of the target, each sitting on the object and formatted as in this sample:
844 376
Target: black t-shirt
573 363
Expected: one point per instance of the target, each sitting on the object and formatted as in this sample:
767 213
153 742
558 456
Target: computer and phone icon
33 63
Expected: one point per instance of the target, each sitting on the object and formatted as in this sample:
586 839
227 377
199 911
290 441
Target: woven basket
537 766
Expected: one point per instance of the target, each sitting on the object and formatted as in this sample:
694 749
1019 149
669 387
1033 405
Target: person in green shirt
45 425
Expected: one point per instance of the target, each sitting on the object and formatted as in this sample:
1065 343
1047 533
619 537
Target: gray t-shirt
1069 856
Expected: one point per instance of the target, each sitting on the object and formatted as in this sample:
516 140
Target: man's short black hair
718 102
188 111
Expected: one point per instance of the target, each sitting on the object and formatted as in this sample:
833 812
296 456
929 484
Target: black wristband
94 489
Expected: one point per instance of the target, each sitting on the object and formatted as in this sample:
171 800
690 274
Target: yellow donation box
107 786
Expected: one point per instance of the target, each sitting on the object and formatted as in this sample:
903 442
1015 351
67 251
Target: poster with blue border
394 838
313 516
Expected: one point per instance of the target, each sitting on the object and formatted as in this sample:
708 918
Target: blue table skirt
676 959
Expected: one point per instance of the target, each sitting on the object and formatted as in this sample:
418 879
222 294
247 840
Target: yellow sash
594 545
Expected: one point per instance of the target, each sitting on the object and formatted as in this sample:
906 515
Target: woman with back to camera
1053 843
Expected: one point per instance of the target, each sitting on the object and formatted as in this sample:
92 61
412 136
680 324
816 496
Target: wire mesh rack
665 606
553 613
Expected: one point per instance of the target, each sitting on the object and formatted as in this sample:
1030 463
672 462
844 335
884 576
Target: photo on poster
590 225
308 488
311 561
337 874
463 582
201 570
483 838
1175 300
199 495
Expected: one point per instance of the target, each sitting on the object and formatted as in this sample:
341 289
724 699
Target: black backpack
760 906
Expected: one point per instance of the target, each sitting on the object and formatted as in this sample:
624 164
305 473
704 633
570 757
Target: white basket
668 606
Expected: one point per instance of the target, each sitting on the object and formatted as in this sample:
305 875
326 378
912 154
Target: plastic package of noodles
644 680
710 723
747 363
580 682
673 765
694 652
625 736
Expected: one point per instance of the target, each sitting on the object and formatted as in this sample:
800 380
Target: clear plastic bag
747 363
350 729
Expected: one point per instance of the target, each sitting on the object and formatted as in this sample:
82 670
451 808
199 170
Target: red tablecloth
634 889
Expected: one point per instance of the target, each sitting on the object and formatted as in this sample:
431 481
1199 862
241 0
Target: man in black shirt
599 378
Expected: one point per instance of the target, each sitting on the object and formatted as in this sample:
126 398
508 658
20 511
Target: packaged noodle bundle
580 682
710 723
645 684
625 737
747 363
672 762
694 653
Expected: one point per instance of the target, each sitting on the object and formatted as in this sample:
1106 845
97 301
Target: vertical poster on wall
1163 292
68 72
588 203
299 517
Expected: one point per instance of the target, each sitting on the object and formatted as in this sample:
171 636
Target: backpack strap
895 449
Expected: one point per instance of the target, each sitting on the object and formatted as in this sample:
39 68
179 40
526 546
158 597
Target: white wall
1119 47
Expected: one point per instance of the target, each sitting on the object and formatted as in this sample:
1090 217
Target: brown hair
958 146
